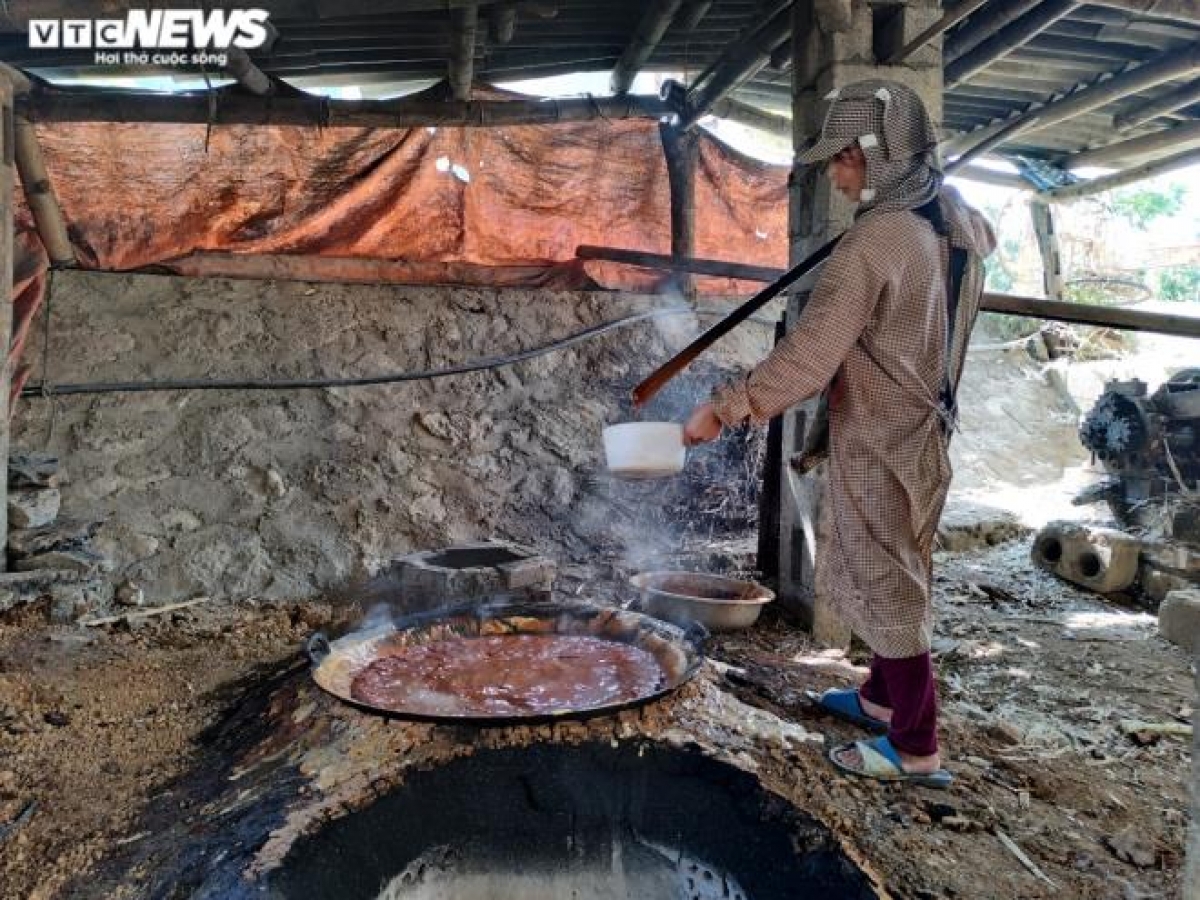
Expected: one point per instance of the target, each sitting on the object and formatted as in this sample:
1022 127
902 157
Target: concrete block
1099 559
32 507
1179 619
468 572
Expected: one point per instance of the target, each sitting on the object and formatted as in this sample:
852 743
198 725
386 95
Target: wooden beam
1142 112
1174 10
235 108
39 194
693 14
1009 304
1176 140
1180 64
753 117
991 176
465 23
741 62
1127 176
982 25
502 22
7 155
646 37
1006 40
955 15
681 152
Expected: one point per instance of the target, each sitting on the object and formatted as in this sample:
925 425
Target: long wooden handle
655 381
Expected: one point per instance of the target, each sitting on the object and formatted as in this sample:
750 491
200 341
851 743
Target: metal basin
716 602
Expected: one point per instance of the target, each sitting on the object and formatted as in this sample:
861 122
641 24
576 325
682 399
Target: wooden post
39 194
502 22
462 50
680 149
7 156
1047 241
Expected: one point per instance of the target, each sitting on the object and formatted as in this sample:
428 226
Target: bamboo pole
647 36
680 151
1008 304
753 117
1143 112
693 14
234 108
1047 241
39 194
1006 40
7 154
246 73
462 50
502 22
982 25
741 62
1184 137
1120 179
955 15
1175 10
1168 67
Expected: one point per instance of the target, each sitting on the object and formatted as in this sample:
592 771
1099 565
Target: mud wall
235 494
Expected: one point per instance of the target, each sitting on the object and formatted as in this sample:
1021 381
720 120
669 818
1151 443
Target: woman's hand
702 426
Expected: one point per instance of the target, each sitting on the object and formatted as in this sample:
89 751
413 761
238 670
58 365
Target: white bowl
645 449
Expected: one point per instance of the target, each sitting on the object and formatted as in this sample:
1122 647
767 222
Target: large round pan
677 650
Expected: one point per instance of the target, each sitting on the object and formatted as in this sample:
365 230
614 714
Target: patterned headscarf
889 122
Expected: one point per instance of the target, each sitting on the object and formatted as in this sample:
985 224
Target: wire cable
292 384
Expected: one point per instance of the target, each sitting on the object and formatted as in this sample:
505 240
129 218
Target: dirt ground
1036 680
101 726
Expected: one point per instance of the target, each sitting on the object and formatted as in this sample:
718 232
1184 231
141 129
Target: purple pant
906 687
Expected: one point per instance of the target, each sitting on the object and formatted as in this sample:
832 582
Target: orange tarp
451 202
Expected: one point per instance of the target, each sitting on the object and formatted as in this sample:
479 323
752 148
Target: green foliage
998 277
1141 206
1180 284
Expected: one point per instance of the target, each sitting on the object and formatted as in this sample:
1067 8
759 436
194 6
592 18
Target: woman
885 330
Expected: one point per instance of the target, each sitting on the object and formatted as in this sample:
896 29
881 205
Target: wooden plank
461 65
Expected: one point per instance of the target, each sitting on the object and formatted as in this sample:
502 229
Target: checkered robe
875 327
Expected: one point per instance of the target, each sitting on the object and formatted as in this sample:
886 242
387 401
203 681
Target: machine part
1100 559
1149 444
677 651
